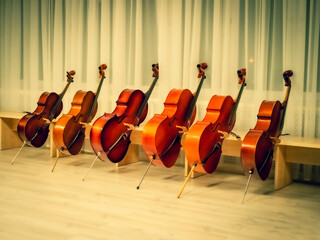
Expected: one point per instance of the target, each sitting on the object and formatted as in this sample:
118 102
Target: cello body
30 124
203 135
204 139
160 136
110 134
69 130
258 145
109 128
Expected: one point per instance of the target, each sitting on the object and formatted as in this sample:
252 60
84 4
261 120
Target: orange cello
33 128
162 134
204 139
110 133
258 145
69 130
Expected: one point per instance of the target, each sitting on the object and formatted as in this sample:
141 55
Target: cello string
145 173
246 189
265 160
24 143
187 179
123 136
95 159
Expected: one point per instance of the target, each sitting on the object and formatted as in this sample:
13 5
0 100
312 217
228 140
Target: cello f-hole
170 123
121 119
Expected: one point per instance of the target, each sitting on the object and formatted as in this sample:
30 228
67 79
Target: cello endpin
24 143
246 189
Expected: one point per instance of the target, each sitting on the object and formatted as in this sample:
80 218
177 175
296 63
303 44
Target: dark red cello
110 133
33 128
204 140
161 136
69 130
258 145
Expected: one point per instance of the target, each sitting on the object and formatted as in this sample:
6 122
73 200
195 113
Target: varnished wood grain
37 204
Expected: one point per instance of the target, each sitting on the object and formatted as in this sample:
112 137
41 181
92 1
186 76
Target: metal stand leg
24 143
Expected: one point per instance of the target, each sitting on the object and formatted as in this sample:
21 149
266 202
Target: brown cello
258 145
161 136
110 133
69 130
33 128
204 139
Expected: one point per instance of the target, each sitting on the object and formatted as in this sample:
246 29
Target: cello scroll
201 67
102 67
155 69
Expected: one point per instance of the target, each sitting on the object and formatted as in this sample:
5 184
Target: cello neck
155 69
201 67
242 80
102 77
69 80
286 76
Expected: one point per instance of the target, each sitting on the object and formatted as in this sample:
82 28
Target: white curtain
42 39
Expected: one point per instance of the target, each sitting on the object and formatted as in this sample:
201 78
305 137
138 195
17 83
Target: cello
258 145
33 128
110 133
161 136
204 139
69 130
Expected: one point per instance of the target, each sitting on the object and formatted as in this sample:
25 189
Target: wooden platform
36 204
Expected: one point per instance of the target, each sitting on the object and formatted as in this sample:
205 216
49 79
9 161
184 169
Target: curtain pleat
41 40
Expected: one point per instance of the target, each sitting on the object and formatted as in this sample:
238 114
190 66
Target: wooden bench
290 150
294 150
8 130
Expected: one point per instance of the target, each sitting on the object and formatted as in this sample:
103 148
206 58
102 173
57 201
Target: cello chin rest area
129 126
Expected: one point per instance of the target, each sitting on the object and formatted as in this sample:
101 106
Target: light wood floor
37 204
